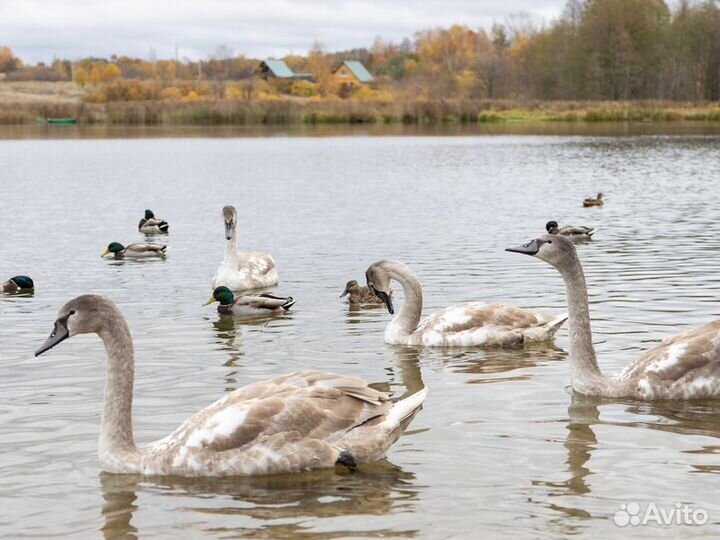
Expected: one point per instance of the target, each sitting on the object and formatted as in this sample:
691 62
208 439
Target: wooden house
277 69
352 73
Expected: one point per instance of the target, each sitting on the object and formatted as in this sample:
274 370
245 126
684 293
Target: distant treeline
597 50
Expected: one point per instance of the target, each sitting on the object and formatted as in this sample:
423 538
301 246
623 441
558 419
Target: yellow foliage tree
81 76
110 73
94 77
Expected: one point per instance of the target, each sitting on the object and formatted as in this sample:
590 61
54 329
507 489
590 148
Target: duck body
18 284
151 225
250 305
295 422
136 251
359 295
463 325
594 201
574 233
240 271
685 366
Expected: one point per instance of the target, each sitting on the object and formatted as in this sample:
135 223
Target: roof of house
279 68
362 74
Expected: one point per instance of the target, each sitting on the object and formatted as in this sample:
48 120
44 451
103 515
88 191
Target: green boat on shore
57 121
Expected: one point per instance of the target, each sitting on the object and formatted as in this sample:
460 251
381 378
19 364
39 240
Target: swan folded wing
478 314
690 356
315 405
255 264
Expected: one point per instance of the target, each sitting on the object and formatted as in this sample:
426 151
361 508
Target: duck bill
60 333
345 292
531 248
212 299
386 300
106 252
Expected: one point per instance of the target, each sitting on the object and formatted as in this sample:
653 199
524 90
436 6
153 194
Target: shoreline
302 111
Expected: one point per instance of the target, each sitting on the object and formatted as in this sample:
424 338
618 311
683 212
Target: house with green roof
278 69
352 73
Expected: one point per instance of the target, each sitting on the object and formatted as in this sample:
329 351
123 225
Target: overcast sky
43 29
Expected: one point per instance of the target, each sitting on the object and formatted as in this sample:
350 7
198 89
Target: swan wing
689 359
309 404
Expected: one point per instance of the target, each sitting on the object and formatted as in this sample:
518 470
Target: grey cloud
43 29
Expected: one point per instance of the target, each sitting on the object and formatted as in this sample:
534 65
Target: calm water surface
502 446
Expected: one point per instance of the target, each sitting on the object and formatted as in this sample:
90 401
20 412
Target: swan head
378 281
223 295
349 286
149 214
113 247
23 282
553 249
230 218
551 227
85 314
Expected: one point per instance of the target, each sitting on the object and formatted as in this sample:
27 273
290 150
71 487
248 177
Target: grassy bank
22 105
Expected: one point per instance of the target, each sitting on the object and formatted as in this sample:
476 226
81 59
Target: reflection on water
501 447
284 506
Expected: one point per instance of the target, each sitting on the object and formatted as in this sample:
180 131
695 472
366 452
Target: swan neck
407 319
116 431
231 252
584 371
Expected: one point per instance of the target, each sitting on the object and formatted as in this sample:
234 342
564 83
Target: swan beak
59 333
212 299
386 300
106 252
228 230
531 248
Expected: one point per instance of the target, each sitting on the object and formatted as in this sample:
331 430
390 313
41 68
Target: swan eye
549 241
72 312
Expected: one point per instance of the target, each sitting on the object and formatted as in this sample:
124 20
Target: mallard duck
597 201
360 294
240 271
462 325
135 251
574 233
152 225
251 305
296 422
18 284
686 366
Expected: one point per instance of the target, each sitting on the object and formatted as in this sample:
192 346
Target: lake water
501 447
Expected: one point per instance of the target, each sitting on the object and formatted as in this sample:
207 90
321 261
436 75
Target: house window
344 73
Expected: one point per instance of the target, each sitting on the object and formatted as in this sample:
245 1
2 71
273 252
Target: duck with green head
135 251
18 284
251 305
152 225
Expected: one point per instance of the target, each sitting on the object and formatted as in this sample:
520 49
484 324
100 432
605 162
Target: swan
575 233
135 251
249 305
295 422
243 270
685 366
18 284
360 294
152 225
594 201
462 325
